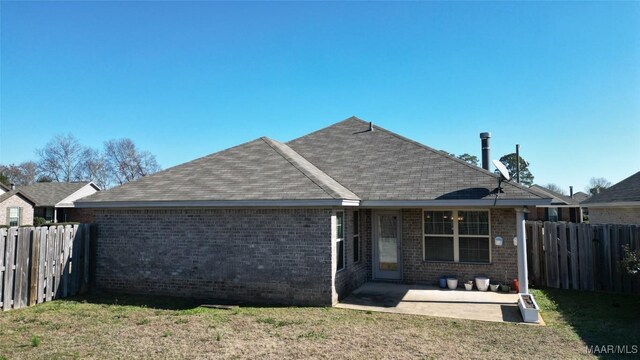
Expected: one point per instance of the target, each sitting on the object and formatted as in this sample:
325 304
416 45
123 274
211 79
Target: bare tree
596 185
555 188
61 158
94 168
22 174
128 163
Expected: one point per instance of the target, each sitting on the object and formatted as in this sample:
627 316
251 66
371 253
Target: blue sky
185 79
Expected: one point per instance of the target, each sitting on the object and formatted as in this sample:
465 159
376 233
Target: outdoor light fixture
499 241
515 241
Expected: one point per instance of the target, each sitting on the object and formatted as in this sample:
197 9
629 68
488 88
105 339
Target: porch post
523 276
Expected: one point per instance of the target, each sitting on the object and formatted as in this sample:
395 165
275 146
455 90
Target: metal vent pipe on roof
370 126
13 186
485 136
571 191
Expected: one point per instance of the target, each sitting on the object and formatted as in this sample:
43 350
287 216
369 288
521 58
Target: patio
433 301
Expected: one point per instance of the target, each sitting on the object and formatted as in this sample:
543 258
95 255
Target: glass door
386 264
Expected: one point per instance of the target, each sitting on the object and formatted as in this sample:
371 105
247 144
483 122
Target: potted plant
452 283
528 308
482 283
443 282
494 286
505 288
468 285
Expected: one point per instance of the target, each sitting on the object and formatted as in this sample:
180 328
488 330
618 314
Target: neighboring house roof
558 200
4 188
11 193
343 162
624 193
580 196
53 193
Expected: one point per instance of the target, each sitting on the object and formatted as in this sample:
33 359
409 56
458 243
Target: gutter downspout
523 276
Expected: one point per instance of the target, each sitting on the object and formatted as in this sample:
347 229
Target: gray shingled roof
342 161
262 169
50 193
557 199
381 165
627 190
10 193
580 196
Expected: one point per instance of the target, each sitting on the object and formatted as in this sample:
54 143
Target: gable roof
262 169
580 196
343 162
557 199
51 193
4 187
382 165
11 193
626 192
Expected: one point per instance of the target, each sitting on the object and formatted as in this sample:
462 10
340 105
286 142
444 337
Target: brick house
53 201
619 204
561 208
308 221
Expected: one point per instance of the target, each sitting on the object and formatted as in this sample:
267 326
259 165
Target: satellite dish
502 169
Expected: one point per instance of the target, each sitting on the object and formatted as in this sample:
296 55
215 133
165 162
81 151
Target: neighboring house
55 200
16 208
619 204
562 207
308 221
4 189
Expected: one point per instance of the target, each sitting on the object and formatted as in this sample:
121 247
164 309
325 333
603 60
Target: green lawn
118 326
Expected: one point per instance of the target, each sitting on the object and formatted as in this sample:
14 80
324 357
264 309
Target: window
48 214
553 214
340 238
14 216
356 236
460 236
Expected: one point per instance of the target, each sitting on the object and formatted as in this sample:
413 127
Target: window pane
438 248
340 246
553 214
13 212
438 222
339 225
356 223
473 222
474 249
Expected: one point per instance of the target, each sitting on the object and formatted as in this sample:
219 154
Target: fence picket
573 247
3 241
9 261
564 256
34 265
42 268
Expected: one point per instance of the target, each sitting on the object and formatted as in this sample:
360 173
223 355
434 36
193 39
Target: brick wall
504 266
354 274
614 215
256 255
16 201
81 215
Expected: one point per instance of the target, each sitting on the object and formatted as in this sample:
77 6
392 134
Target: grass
152 327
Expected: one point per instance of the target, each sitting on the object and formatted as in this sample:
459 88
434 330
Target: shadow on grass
148 301
600 319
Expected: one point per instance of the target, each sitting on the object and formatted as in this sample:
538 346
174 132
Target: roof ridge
442 153
326 127
328 184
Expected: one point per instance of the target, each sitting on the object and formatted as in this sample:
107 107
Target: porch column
523 276
55 215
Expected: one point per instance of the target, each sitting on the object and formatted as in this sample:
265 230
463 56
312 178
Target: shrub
39 221
630 260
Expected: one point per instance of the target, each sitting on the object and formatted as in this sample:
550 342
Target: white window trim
456 237
338 240
18 210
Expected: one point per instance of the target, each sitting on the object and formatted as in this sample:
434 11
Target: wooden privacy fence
43 263
581 256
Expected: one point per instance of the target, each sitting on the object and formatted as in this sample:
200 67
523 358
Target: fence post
564 255
3 265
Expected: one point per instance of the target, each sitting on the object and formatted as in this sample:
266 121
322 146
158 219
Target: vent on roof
485 136
370 126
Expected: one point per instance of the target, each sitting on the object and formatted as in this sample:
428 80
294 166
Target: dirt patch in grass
138 327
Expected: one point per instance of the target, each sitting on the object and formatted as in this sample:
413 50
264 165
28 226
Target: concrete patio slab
433 301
